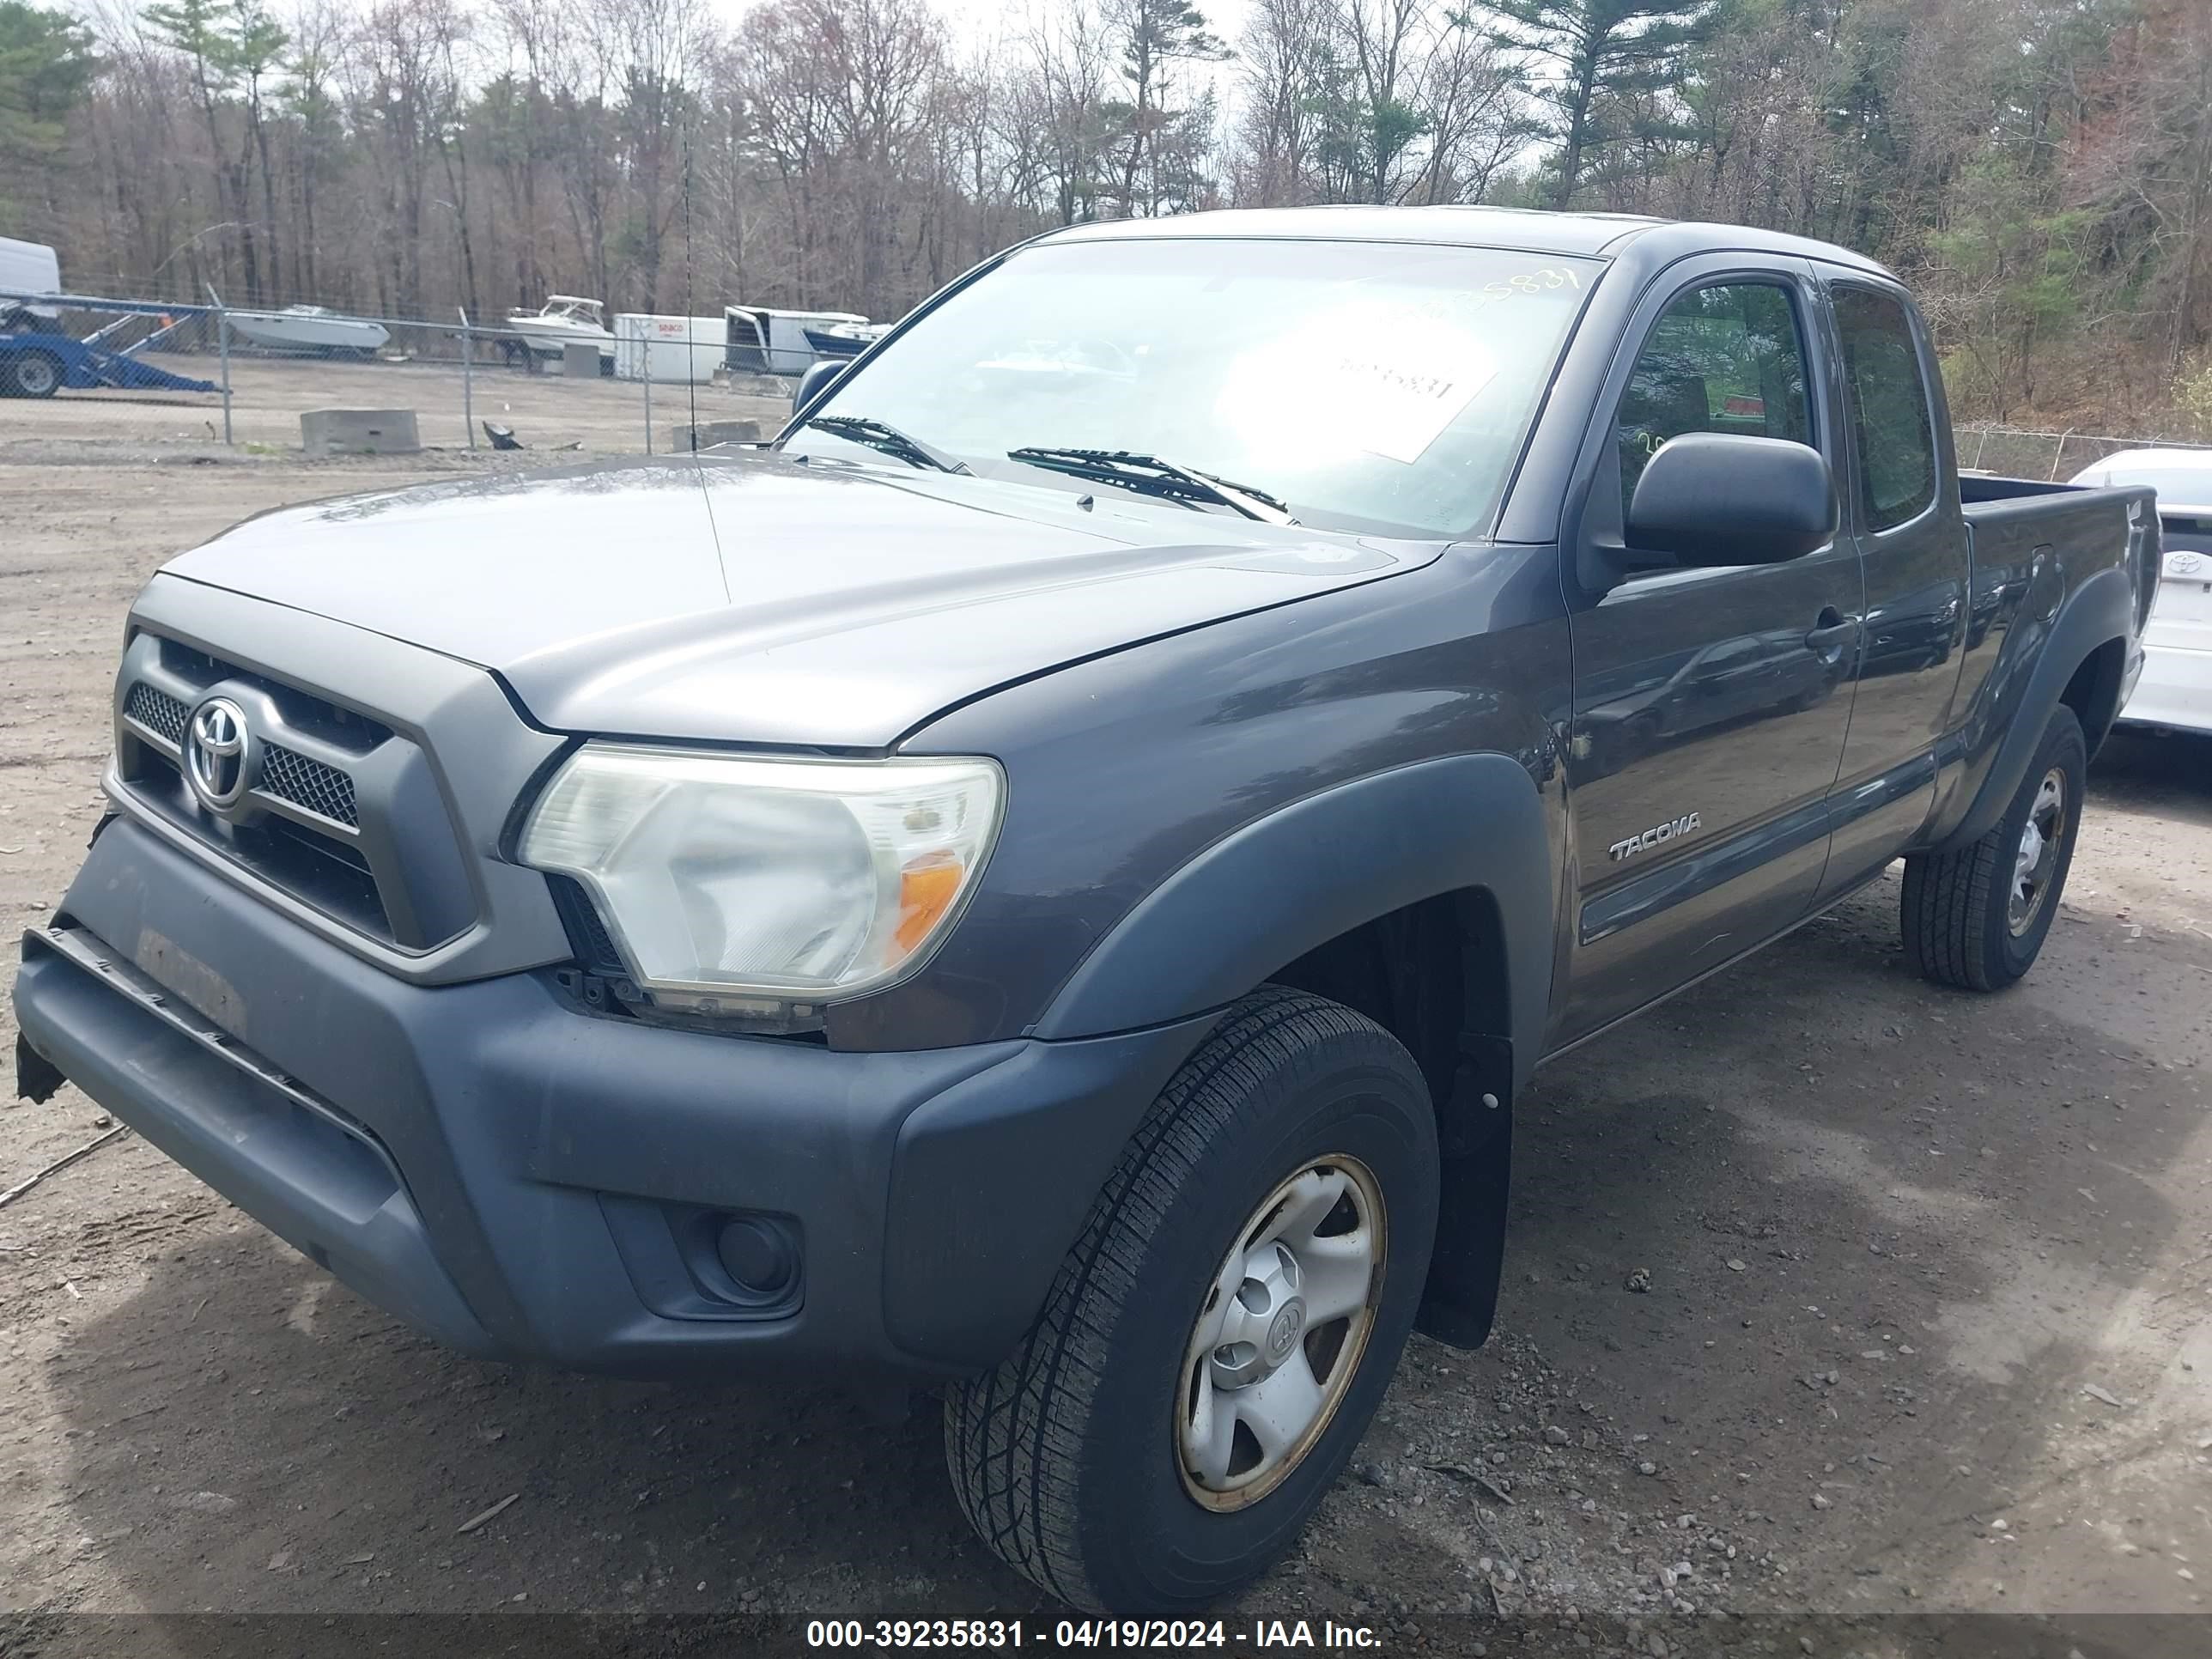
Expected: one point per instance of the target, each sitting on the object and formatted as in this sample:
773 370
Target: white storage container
675 349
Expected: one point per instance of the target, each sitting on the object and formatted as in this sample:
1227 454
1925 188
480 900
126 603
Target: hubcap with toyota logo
218 753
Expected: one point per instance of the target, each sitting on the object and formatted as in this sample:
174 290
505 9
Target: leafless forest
2041 169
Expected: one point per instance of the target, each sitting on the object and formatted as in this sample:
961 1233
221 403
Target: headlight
743 885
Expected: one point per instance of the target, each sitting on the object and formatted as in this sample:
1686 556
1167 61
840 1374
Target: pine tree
1601 54
46 67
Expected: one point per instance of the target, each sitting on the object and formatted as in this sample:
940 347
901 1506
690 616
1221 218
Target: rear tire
1171 1422
30 374
1975 917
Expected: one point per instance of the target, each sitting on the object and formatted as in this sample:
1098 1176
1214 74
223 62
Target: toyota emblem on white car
216 753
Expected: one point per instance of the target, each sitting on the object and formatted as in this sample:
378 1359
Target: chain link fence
2012 451
557 380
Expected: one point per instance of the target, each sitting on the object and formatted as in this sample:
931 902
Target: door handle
1832 631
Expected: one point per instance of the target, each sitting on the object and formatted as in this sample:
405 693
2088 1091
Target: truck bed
2085 528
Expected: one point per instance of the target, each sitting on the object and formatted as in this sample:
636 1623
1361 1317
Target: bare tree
1477 114
1276 133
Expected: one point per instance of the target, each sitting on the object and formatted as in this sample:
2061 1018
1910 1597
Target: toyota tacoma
1049 877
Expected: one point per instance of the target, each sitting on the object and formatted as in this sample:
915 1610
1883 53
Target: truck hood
759 599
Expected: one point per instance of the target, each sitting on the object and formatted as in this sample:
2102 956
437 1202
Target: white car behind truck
2175 692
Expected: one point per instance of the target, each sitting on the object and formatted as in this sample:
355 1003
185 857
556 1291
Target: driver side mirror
815 381
1721 498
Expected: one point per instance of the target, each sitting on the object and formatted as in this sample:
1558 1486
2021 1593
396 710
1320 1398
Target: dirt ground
1929 1325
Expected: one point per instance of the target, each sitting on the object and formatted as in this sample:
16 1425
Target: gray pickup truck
1051 876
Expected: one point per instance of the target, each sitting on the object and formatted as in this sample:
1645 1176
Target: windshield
1373 386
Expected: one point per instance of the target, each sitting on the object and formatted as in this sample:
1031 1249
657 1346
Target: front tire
1222 1331
1975 917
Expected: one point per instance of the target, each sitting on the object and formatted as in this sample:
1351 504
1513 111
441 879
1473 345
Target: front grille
157 711
290 776
335 793
325 871
312 716
287 774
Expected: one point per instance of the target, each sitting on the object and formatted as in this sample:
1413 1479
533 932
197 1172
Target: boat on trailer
309 328
839 342
564 319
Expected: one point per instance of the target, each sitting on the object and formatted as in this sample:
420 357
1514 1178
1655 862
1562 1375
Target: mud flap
1460 1299
36 1078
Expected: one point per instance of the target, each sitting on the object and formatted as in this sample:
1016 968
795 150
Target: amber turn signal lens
926 889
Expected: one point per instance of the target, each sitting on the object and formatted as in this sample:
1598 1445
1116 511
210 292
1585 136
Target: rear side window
1722 358
1888 401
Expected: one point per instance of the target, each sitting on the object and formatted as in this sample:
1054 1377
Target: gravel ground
1925 1324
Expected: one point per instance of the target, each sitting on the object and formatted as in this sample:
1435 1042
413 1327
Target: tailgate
2181 615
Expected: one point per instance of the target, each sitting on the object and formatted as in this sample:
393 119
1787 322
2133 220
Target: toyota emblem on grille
217 753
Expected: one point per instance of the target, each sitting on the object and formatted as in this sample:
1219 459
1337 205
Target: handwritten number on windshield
1532 282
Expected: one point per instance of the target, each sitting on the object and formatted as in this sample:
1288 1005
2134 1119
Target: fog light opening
759 1255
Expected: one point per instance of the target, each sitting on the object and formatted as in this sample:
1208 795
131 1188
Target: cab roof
1586 236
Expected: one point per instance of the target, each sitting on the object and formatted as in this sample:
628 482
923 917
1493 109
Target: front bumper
519 1179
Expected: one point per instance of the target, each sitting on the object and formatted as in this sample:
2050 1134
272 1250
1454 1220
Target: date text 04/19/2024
1070 1633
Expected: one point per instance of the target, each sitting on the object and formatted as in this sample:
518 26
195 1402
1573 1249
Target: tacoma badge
1653 836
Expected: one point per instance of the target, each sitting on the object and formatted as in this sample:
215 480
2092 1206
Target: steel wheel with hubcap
1220 1336
1281 1332
2041 838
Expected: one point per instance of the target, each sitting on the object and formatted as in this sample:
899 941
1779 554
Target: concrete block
359 432
708 433
580 360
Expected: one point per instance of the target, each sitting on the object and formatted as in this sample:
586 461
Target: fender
1265 895
2008 725
1284 884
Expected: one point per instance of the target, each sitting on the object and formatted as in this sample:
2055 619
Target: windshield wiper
1151 475
884 436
